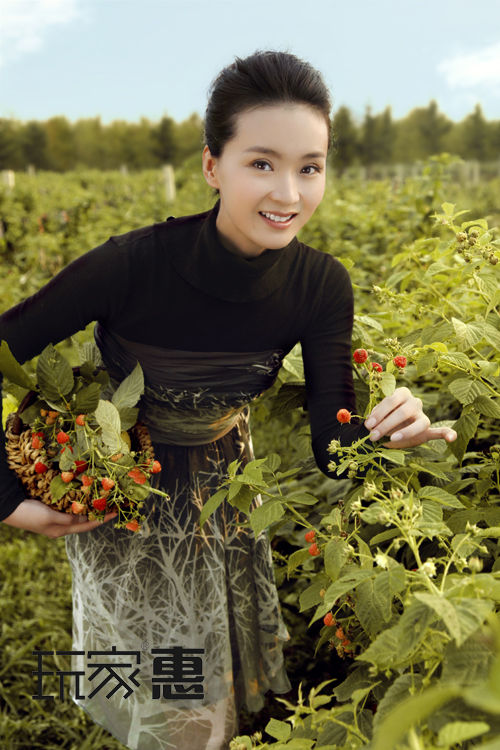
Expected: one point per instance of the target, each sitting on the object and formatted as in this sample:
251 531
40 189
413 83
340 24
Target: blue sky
124 59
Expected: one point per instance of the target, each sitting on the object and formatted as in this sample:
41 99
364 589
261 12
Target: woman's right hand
33 515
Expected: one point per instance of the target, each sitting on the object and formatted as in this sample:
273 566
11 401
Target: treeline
60 145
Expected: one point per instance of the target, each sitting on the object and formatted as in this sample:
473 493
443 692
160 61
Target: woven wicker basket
21 458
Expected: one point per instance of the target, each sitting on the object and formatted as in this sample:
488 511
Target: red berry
133 525
67 476
156 467
328 619
310 535
80 466
343 416
137 475
62 437
107 484
36 442
340 633
99 503
40 467
376 366
360 355
400 361
86 481
80 419
77 507
313 549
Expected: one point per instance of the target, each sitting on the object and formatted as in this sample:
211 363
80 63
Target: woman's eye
265 163
312 166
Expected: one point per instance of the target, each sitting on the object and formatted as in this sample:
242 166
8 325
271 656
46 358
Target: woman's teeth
273 217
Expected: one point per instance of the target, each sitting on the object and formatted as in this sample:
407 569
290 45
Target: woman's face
275 163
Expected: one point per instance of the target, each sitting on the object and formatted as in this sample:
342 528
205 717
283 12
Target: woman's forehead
274 127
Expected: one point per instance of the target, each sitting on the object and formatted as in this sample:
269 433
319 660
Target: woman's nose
285 190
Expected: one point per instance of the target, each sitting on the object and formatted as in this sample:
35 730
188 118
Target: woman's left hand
400 415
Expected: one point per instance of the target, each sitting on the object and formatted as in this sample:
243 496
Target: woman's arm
92 287
327 354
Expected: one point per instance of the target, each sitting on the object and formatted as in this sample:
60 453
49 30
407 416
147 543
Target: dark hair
264 78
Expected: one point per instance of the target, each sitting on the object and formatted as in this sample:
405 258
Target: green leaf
58 488
459 731
297 558
130 389
293 363
128 416
467 335
212 504
87 398
273 462
466 390
372 605
12 370
368 321
409 712
465 427
358 679
265 515
301 498
108 418
439 496
426 362
280 730
335 557
347 583
54 374
395 455
310 596
395 645
456 359
290 396
487 406
387 383
461 618
397 692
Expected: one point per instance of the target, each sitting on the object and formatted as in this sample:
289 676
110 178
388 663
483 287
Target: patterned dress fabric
210 591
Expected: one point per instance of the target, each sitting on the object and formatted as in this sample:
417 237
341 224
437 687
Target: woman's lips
278 224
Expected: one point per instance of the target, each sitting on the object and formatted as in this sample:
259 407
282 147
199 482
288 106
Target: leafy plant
80 439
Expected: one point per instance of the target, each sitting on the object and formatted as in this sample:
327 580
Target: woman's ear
209 166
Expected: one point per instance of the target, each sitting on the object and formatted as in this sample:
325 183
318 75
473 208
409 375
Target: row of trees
378 139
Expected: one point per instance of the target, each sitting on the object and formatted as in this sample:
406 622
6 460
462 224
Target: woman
209 304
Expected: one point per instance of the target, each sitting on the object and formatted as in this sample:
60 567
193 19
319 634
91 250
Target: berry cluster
310 536
102 480
467 241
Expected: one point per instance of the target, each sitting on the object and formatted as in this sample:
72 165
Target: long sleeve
326 351
92 287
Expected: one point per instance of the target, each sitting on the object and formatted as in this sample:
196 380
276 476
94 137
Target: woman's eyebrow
264 150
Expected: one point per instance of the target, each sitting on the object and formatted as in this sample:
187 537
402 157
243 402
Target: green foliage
409 554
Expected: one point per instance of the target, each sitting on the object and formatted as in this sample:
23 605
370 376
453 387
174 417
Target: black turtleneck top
175 285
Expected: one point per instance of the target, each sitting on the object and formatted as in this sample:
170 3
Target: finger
446 433
418 427
406 421
432 433
386 406
83 524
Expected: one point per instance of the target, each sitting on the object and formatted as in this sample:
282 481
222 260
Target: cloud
474 69
24 24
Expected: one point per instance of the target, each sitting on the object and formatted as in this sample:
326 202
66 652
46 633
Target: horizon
123 60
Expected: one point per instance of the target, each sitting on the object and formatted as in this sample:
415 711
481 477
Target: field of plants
393 599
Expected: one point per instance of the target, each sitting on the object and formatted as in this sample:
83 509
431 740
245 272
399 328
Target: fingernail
396 436
369 423
374 435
